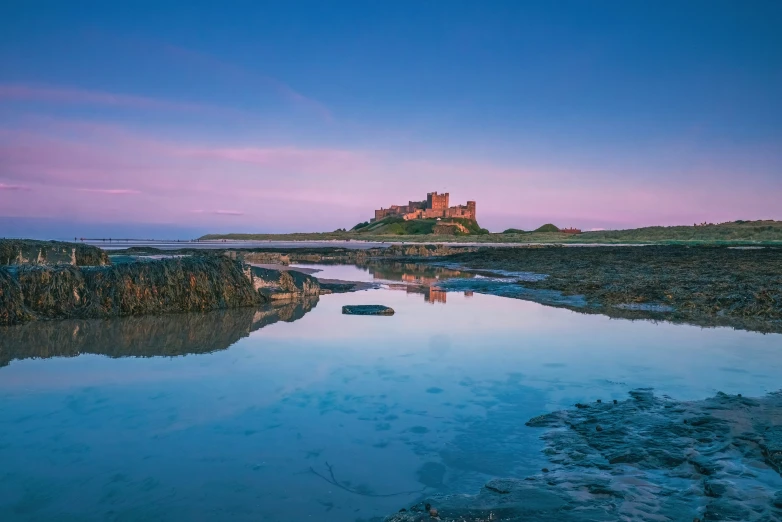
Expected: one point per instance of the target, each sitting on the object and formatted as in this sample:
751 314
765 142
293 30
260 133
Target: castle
435 206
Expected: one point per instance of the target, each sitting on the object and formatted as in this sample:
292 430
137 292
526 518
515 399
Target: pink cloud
220 212
282 157
119 192
9 188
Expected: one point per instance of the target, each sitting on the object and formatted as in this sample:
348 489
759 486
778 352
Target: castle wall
435 206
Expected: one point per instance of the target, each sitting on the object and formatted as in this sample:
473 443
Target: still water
308 414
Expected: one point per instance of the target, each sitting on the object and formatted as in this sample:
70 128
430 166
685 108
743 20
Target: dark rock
178 285
367 310
173 285
275 285
598 428
50 253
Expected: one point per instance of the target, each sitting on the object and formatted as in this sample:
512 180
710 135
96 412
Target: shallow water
434 397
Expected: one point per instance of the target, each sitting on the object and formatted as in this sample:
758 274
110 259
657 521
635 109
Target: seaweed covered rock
32 252
165 286
187 284
12 308
281 284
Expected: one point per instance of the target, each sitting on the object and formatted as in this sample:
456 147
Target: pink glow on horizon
67 163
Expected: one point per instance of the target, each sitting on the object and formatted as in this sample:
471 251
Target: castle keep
435 206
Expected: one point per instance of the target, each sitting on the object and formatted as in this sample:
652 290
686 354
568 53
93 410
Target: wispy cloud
246 76
4 186
114 192
67 95
287 157
220 212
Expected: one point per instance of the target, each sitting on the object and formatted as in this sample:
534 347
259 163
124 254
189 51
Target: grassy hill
749 231
394 225
733 233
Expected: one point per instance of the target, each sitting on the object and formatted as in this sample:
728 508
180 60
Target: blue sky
273 117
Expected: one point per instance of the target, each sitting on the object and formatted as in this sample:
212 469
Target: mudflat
700 285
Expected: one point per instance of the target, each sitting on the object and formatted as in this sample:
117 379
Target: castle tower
471 210
436 201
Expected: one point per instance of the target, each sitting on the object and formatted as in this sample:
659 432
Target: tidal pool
329 417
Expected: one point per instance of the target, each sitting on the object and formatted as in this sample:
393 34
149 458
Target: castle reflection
418 279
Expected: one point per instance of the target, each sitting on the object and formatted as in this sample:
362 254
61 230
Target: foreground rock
645 459
274 285
186 284
367 310
32 252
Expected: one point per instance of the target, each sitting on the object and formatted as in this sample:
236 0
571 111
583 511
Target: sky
174 119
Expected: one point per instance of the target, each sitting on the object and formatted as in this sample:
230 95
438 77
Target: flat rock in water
367 310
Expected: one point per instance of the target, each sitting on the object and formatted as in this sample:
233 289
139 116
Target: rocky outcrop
275 285
645 459
31 252
261 258
174 285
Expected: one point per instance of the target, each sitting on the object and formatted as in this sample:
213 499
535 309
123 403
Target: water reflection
434 397
413 272
146 336
412 278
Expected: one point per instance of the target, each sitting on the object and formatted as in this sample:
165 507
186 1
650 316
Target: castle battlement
434 206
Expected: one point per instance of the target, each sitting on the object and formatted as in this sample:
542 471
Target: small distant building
570 230
435 206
